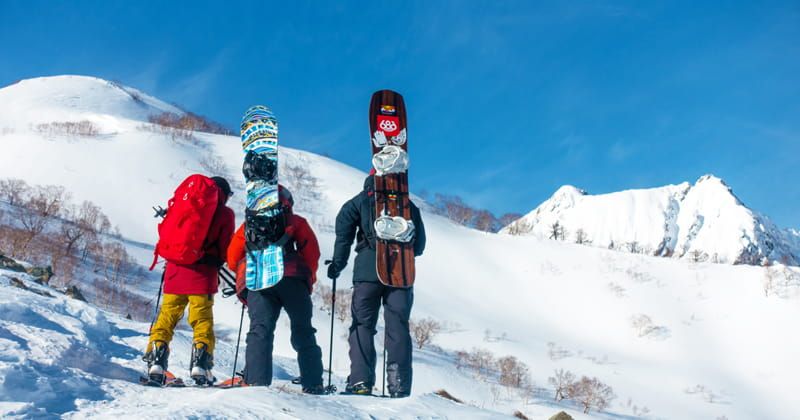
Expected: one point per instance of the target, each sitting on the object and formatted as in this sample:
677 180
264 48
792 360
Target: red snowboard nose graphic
389 125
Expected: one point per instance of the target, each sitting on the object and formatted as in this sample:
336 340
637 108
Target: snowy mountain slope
60 356
704 221
74 98
553 305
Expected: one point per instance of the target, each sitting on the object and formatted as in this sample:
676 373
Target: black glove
333 271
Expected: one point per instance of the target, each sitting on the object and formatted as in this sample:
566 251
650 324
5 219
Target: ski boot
157 361
315 390
202 362
399 394
360 388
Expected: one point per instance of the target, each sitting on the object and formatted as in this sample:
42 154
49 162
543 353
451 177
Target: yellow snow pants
201 319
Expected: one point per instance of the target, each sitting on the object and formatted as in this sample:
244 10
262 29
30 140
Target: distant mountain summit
702 222
73 98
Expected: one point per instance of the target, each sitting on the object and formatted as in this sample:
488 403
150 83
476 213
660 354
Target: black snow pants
367 299
264 307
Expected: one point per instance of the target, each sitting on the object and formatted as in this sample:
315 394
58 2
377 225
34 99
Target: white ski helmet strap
394 229
390 160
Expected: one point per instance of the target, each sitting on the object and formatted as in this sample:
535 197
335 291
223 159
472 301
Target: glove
333 271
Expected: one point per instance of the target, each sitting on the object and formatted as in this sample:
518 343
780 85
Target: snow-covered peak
715 189
704 221
568 193
74 98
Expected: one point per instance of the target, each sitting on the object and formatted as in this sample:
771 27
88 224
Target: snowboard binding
264 228
395 229
259 166
390 160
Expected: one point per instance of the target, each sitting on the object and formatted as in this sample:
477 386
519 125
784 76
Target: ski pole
238 340
330 347
158 300
383 387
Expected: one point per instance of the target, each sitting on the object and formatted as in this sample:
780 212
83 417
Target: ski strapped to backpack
187 219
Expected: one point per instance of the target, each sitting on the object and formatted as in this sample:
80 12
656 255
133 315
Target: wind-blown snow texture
704 221
714 344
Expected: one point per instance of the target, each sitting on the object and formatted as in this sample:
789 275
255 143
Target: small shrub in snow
214 166
188 122
13 190
343 301
561 416
480 361
446 395
557 231
697 256
645 327
70 128
513 372
424 330
704 392
520 227
556 352
562 383
175 134
520 415
616 289
305 187
581 237
591 394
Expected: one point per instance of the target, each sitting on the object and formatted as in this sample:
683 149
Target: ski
362 395
393 226
236 382
170 381
264 217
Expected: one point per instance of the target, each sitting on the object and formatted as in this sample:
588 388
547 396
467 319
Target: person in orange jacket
292 293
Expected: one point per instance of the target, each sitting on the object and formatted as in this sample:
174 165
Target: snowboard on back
265 220
394 229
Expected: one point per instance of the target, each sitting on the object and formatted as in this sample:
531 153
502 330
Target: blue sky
507 100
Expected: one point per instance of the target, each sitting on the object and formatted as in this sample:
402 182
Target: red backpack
182 233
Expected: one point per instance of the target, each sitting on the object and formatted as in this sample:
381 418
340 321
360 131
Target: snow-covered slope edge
701 222
63 357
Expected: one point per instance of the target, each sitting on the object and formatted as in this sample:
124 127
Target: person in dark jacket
355 221
292 293
193 285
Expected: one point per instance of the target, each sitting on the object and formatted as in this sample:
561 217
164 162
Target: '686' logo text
389 125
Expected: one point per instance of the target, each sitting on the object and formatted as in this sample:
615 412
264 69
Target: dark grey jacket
355 221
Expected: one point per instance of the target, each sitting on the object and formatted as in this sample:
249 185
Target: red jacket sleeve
236 249
307 245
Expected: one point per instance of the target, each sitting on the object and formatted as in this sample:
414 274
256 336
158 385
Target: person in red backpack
292 293
193 285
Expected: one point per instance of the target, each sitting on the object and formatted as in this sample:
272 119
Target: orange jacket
303 240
